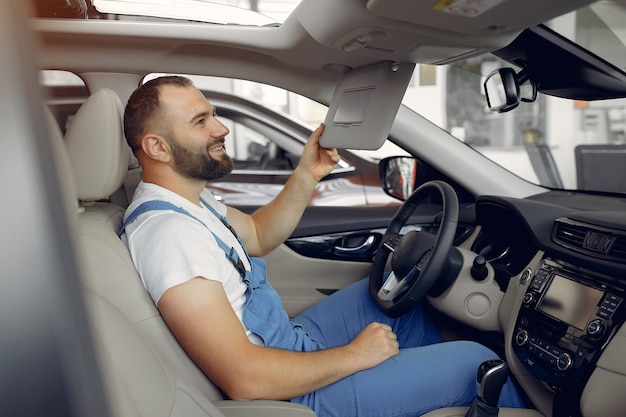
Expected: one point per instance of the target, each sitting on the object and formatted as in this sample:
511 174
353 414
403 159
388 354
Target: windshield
555 142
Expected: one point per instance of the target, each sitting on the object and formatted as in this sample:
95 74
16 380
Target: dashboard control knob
521 338
528 298
564 361
596 328
479 269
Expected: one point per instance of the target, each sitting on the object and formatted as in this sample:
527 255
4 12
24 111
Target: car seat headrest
97 148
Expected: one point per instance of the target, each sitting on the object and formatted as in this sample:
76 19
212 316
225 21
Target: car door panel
331 248
302 281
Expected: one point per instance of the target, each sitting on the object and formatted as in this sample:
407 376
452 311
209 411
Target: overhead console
434 32
567 318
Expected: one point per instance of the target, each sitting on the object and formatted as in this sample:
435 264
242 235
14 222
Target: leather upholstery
98 151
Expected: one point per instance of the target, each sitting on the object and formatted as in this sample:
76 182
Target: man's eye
200 122
214 112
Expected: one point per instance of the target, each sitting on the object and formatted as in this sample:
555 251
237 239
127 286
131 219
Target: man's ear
155 147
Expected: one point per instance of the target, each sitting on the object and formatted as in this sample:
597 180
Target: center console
567 318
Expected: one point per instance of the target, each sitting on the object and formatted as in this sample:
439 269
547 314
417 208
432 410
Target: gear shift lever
491 375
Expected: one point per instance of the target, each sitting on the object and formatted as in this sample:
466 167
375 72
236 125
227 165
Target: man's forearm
282 375
276 221
271 225
279 375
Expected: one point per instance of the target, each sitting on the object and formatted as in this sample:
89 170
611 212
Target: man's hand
316 159
374 345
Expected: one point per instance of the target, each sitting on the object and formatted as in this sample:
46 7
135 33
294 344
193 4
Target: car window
65 92
452 98
252 150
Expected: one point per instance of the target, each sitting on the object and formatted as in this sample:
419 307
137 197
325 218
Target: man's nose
219 129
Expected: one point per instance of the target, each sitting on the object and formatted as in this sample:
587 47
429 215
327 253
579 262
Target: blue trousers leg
337 319
426 375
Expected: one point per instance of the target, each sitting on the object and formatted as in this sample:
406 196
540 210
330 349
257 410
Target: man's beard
198 164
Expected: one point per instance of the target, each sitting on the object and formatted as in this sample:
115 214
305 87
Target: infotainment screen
570 301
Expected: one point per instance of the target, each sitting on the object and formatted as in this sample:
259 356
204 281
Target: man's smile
217 148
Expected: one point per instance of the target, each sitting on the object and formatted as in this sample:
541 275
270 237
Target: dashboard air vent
618 249
596 241
569 234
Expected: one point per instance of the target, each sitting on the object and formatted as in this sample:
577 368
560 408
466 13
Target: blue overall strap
146 206
223 219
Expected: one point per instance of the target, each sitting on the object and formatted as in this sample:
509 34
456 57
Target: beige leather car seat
146 371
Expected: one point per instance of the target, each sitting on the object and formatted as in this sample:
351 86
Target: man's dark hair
144 105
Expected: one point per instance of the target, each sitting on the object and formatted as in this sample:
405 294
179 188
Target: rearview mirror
504 89
398 176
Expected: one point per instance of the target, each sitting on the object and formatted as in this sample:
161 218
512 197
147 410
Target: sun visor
364 106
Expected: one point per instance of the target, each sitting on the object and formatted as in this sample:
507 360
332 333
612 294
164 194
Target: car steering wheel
418 257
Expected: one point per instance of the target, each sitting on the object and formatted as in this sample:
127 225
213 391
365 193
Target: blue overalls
426 375
263 313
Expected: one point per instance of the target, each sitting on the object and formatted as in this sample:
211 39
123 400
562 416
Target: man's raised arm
272 224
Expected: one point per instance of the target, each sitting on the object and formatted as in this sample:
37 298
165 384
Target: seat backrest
145 369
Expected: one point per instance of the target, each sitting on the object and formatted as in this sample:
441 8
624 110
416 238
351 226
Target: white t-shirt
170 248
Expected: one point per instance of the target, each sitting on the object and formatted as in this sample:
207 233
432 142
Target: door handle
362 248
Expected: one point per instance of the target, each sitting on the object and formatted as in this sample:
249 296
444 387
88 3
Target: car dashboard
565 255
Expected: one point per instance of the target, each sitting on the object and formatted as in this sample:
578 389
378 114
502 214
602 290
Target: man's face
196 137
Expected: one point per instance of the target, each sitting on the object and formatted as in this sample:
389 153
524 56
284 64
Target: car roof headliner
316 43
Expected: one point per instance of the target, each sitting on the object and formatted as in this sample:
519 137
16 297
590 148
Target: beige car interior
145 371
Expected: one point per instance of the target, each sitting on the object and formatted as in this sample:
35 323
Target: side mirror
398 175
504 89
